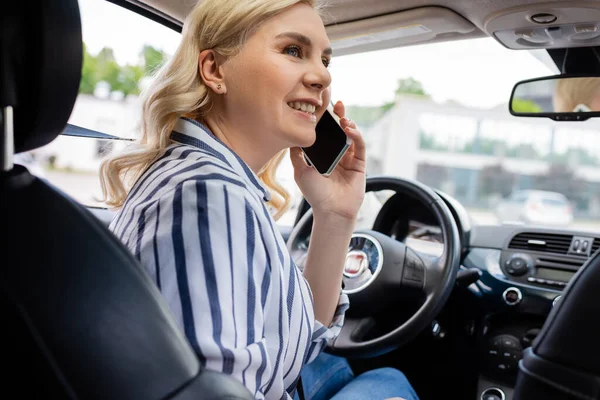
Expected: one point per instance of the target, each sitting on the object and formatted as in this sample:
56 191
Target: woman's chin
305 140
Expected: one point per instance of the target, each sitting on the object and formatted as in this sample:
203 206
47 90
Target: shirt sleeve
217 279
322 335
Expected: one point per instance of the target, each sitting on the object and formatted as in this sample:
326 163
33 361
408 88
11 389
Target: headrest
40 67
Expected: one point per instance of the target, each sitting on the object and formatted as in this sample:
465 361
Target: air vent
558 263
595 245
542 242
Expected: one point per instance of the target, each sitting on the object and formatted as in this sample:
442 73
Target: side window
121 51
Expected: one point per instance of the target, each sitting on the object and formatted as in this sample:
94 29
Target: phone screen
330 144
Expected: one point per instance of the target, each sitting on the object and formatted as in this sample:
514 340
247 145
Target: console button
517 266
510 343
493 394
512 296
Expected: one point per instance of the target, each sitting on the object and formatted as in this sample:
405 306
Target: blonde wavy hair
571 92
178 90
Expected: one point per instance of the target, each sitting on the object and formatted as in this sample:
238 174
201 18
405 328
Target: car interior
501 312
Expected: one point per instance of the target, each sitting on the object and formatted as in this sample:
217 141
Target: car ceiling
353 25
340 11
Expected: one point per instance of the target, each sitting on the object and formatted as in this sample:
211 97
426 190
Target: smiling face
278 84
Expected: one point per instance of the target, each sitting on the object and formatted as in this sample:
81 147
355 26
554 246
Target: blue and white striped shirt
197 221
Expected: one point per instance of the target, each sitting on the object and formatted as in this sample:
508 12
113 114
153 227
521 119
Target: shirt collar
193 133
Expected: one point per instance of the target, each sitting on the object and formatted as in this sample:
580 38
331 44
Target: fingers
346 122
297 158
339 109
349 126
358 143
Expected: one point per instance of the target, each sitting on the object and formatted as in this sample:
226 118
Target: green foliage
411 86
123 78
153 58
387 106
581 156
428 142
364 116
89 77
405 86
525 106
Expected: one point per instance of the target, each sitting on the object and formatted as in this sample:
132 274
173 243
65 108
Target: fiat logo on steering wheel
356 263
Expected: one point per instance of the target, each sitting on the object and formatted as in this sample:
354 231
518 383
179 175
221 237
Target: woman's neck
248 147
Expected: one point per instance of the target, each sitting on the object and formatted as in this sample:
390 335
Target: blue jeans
331 378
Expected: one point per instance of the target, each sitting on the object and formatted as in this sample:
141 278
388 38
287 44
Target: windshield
436 113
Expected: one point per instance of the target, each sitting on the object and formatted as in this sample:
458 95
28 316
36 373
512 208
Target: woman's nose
318 77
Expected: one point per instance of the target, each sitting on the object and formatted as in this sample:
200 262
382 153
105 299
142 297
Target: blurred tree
364 116
153 58
406 86
525 106
109 71
129 79
411 86
387 106
105 56
104 67
583 157
89 76
494 179
428 142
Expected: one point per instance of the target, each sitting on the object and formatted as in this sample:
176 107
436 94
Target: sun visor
419 25
547 25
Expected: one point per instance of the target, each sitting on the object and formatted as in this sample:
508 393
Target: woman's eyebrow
305 40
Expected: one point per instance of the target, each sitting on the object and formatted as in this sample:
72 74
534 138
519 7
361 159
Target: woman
577 95
248 81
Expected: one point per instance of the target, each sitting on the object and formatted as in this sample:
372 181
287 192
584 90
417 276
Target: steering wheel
382 273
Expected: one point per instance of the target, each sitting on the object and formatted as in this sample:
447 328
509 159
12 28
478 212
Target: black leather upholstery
80 318
564 360
40 45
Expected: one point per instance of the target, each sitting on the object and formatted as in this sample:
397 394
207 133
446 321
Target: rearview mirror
559 97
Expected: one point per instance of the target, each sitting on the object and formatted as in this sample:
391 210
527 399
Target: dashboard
522 273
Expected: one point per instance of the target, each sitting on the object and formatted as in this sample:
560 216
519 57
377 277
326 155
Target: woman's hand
342 193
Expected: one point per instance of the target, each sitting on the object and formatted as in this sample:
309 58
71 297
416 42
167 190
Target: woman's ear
209 65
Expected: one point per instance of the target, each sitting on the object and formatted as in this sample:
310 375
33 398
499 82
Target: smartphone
330 146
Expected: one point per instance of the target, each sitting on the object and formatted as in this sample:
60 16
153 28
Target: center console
519 285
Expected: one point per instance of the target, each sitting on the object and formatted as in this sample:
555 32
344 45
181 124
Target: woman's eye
293 51
326 62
